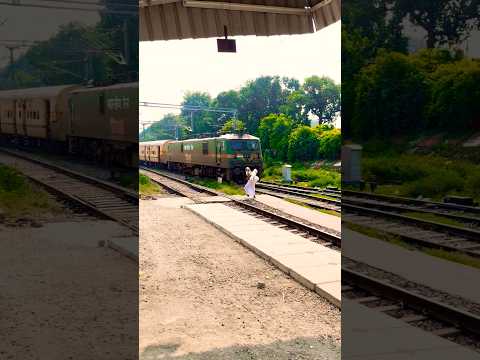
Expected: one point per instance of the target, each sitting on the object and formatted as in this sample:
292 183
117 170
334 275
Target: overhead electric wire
102 10
96 3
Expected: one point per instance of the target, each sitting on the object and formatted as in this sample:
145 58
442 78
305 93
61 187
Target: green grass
19 197
147 186
325 211
427 176
434 218
304 175
129 181
225 187
452 256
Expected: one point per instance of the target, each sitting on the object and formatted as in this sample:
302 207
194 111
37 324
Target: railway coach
100 123
227 155
35 116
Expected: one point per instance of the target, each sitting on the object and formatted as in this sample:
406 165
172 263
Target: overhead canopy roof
184 19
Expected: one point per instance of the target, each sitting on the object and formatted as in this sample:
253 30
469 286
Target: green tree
274 131
322 98
258 98
367 28
330 142
200 121
389 97
445 21
303 144
233 126
455 96
169 127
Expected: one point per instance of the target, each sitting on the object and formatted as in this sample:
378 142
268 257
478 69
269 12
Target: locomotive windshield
242 145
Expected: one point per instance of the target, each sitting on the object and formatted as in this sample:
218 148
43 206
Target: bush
390 97
330 144
303 144
455 96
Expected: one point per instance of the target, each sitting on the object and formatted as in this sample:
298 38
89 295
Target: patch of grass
378 234
325 211
452 256
225 187
129 181
434 218
304 175
324 197
147 186
428 176
18 196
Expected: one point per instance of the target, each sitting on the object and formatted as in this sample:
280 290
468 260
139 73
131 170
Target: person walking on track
252 180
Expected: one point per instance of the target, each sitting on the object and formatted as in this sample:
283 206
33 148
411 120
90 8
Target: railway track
390 219
309 231
96 196
447 209
317 199
454 318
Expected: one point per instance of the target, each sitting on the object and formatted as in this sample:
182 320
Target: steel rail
123 202
426 305
333 239
418 202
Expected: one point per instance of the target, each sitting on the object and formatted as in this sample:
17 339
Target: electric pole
11 49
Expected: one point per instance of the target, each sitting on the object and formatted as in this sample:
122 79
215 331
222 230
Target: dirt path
64 297
199 297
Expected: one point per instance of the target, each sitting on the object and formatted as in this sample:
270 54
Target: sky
34 24
168 69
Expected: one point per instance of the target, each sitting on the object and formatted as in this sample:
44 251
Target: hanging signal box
227 45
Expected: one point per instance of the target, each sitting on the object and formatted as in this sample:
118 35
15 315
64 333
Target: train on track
226 156
100 123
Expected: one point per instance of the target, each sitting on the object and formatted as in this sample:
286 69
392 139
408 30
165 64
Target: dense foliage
104 53
278 110
389 92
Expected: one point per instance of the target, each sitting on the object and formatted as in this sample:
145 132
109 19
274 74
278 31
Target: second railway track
451 317
96 196
185 188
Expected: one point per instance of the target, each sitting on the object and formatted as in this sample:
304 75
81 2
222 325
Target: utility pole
126 44
11 49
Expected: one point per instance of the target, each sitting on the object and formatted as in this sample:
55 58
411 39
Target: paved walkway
453 278
370 335
313 216
315 266
205 296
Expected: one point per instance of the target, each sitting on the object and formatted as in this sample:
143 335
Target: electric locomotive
226 156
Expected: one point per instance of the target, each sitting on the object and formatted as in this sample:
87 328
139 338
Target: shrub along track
451 317
307 230
96 196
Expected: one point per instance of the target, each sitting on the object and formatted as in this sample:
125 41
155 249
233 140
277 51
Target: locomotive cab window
101 103
205 148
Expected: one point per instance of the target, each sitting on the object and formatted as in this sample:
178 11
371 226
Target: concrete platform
371 335
437 273
213 199
313 265
328 221
127 246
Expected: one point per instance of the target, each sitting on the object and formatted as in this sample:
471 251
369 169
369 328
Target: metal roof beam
245 7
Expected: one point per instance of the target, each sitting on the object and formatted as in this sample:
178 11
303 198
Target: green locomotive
226 155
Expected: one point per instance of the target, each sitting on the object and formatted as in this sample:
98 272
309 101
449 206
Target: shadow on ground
296 349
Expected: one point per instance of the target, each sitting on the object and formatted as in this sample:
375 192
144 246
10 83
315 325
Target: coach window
181 147
101 103
205 148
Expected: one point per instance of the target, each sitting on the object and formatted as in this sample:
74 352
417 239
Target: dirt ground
200 297
64 297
